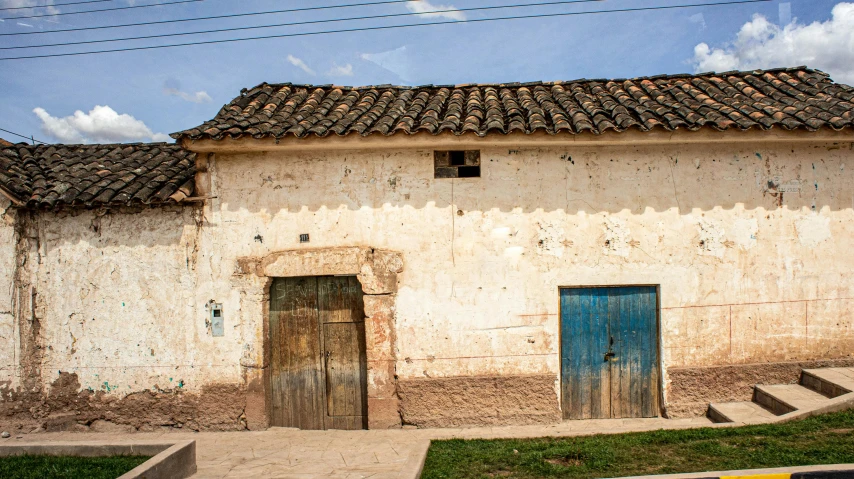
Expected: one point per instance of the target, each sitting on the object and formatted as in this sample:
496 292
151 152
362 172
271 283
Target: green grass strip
827 439
61 467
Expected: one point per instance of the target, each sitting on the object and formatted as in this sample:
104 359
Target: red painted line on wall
758 303
461 357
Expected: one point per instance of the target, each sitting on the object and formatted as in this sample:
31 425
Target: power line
55 5
372 17
103 10
25 137
215 17
388 27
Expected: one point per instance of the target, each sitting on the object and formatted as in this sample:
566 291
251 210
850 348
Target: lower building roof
54 176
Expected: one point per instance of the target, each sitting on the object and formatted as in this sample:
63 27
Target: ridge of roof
797 98
663 76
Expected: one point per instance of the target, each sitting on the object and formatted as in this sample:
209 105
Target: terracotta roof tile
53 176
793 98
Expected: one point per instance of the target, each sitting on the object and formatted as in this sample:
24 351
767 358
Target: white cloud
827 46
300 64
197 97
339 71
443 11
101 125
699 19
29 7
396 61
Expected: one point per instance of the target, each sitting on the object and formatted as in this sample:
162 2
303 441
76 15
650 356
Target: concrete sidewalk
291 453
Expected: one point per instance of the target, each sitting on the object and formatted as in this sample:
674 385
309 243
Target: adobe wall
114 337
748 243
8 341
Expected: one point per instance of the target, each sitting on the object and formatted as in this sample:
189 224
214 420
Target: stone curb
178 462
830 471
415 463
172 460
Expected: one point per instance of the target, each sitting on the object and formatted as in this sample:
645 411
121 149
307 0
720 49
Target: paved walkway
290 453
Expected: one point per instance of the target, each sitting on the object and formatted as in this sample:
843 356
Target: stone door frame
378 272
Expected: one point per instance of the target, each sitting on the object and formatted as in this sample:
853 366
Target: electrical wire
55 5
372 17
215 17
22 136
387 27
103 10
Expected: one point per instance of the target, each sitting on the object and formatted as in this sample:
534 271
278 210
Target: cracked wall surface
748 242
8 330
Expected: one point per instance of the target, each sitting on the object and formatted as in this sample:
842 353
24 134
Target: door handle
609 355
326 359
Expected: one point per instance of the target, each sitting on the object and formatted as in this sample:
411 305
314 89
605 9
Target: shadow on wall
107 232
607 179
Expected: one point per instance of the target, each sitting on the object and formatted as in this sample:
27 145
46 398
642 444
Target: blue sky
140 95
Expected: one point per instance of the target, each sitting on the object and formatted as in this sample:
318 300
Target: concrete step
746 412
831 382
785 398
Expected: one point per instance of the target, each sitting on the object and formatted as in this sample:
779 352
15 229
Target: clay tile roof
791 98
4 142
54 176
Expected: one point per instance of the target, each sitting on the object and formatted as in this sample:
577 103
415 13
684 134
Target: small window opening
303 238
456 164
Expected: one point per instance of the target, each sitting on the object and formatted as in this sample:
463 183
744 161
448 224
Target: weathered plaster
485 256
8 330
748 241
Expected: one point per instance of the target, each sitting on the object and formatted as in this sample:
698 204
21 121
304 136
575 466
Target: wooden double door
609 352
318 364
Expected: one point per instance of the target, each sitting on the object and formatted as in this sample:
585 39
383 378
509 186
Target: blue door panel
609 352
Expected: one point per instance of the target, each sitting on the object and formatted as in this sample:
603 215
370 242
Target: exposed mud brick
67 408
380 306
313 262
692 389
256 403
381 382
479 401
378 337
248 265
383 413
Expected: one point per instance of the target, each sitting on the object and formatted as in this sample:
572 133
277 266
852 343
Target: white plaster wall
484 257
117 303
8 331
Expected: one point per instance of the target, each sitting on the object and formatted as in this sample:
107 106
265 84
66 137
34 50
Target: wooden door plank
585 389
575 322
649 356
615 334
342 313
276 355
628 314
600 387
296 375
566 338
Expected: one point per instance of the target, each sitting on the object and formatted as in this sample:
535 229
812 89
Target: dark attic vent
456 164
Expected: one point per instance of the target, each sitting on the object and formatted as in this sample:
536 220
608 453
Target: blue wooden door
609 352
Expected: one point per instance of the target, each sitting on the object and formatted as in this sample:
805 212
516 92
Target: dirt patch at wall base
478 401
68 408
692 389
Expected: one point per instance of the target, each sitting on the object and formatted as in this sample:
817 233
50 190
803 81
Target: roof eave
448 140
